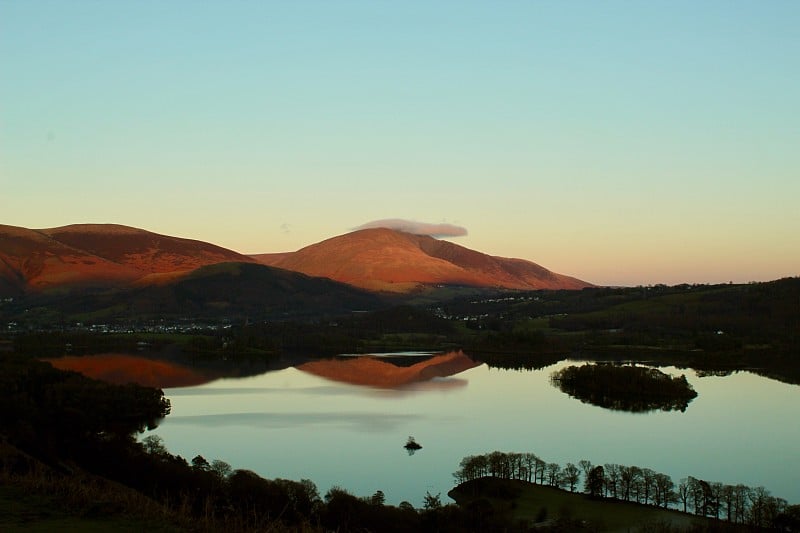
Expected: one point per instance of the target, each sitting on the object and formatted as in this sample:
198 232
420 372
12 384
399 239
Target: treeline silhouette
738 504
395 328
625 388
57 343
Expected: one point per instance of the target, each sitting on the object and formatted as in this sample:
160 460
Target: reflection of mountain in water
373 372
122 369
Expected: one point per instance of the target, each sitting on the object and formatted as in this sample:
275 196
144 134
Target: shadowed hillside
229 290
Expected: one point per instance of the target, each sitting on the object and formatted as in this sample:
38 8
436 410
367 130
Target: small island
412 445
625 388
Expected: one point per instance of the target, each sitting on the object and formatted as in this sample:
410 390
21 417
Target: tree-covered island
625 388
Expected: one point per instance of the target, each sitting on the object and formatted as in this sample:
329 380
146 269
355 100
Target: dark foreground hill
226 290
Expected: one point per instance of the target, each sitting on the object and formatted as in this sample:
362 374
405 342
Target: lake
316 423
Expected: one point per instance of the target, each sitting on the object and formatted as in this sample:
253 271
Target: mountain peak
394 261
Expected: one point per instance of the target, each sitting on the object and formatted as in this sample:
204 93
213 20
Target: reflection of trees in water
518 361
714 373
625 388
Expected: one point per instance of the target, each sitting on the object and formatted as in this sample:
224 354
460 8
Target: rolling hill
393 261
103 255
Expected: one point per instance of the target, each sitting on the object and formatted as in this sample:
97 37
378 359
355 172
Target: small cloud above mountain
416 228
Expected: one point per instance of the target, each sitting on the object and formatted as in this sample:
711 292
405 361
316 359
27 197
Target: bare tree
530 465
586 467
629 476
683 492
540 468
594 481
570 476
553 474
647 482
612 478
741 495
665 490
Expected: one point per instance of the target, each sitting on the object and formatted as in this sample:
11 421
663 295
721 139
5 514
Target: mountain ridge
81 256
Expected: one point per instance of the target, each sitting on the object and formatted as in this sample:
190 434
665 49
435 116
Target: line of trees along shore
739 504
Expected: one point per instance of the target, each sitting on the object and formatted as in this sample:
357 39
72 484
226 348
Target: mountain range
124 267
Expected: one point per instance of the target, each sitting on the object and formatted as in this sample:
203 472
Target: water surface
292 424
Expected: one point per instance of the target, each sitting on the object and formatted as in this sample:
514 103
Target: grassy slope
40 499
21 510
536 503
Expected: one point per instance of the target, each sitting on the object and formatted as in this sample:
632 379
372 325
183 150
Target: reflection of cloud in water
355 421
440 385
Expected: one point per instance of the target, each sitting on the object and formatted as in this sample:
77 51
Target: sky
623 143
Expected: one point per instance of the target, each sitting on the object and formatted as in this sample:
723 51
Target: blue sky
619 142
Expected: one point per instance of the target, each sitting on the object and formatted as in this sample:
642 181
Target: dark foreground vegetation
625 388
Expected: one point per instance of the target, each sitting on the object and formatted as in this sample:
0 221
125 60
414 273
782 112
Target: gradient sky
619 142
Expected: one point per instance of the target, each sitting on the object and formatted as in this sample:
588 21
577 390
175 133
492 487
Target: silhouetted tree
221 468
684 492
199 463
664 490
378 498
553 474
431 501
612 477
595 481
570 476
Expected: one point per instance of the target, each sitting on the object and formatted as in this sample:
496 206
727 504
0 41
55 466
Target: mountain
393 261
98 255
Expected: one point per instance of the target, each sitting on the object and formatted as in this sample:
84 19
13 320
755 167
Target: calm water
289 424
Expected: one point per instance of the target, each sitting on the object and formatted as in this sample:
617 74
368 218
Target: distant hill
392 261
98 255
33 260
